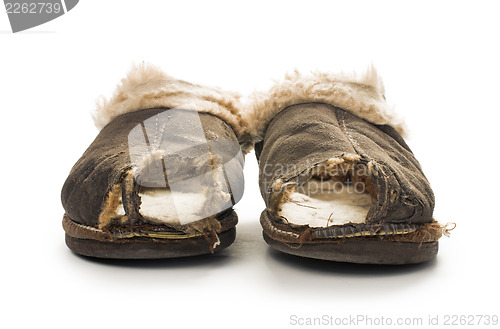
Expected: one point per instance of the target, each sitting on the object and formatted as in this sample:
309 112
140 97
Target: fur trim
146 86
362 95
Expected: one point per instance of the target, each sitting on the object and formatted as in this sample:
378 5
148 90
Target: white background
440 65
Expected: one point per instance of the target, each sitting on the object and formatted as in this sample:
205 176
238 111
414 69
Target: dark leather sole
361 251
146 248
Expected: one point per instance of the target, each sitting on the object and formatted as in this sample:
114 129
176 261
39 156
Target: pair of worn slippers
338 180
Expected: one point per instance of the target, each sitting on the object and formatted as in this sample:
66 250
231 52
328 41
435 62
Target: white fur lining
326 207
146 86
162 206
361 95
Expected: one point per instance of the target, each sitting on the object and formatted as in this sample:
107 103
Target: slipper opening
338 192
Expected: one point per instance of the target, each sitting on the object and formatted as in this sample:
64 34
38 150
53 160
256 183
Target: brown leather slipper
162 176
339 181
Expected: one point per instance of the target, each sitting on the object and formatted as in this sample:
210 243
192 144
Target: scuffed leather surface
304 135
107 161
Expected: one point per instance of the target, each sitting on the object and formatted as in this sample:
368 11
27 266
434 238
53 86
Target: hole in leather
334 195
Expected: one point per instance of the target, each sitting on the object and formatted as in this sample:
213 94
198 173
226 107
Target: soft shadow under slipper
162 176
338 180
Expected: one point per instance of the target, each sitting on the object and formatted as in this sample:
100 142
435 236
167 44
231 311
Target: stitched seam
284 232
385 206
156 129
269 225
354 144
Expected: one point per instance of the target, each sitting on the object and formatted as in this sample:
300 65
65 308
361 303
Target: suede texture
304 135
107 162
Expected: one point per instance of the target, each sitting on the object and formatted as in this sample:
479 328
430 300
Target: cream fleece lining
339 192
360 94
146 86
327 208
161 206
